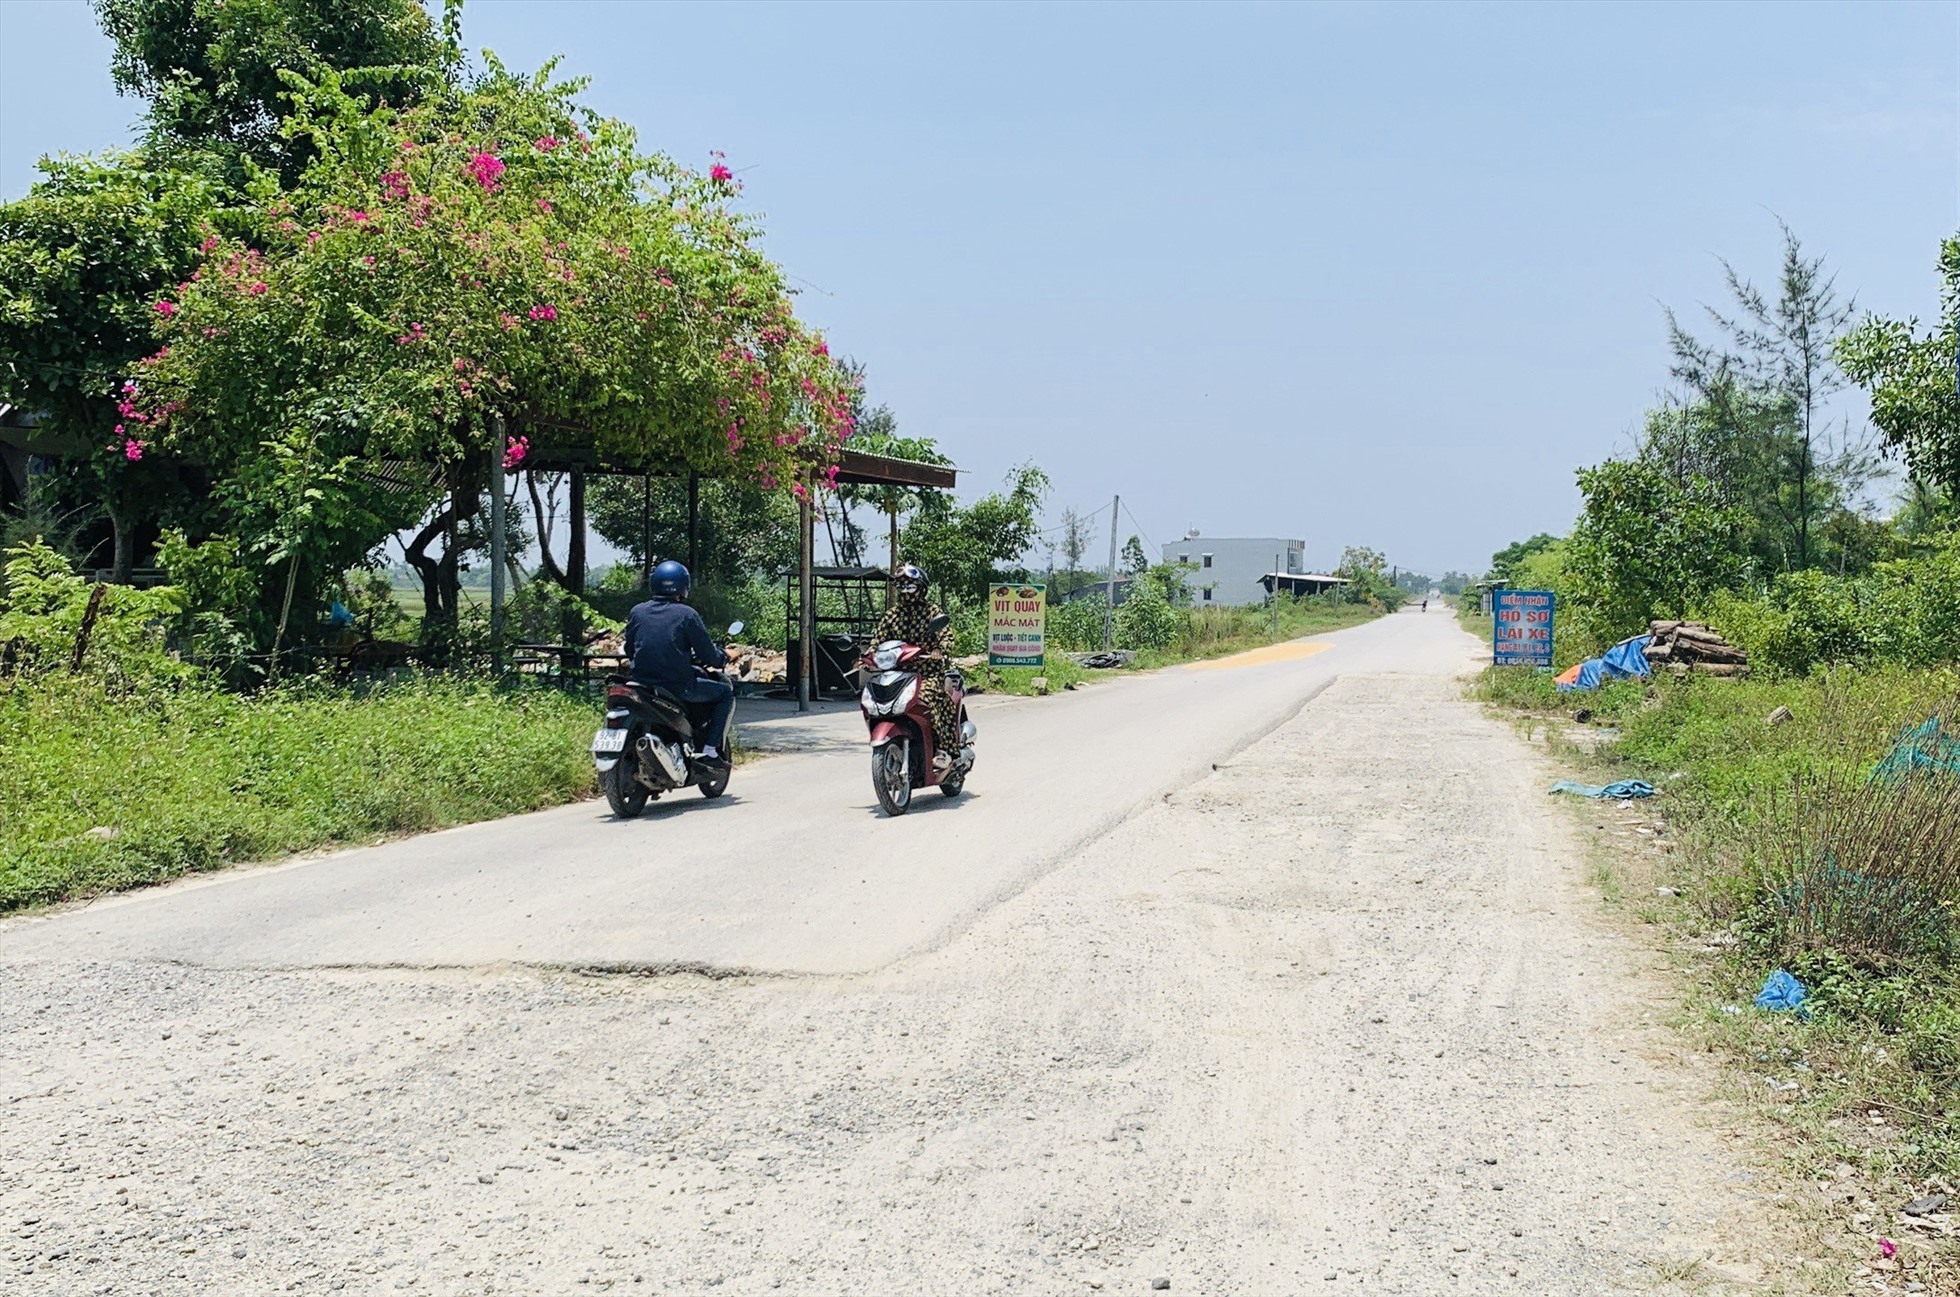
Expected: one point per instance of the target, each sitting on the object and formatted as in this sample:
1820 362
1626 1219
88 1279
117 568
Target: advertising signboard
1522 632
1017 624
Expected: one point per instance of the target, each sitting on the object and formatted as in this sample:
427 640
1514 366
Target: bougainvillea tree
493 251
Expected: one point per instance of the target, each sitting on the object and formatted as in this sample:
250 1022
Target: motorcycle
646 746
901 727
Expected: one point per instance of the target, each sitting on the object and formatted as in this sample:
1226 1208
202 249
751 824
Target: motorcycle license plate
609 741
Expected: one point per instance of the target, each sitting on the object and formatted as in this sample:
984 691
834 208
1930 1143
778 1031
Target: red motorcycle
902 752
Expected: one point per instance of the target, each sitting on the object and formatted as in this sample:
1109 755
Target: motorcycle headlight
885 656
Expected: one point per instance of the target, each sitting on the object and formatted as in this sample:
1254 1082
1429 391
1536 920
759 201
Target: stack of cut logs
1684 646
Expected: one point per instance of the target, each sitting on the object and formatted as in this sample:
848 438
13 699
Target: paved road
1336 1017
794 871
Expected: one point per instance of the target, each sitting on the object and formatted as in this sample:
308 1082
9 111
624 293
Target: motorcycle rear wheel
626 795
891 780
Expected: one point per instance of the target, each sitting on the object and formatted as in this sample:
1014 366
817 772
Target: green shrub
1146 619
101 789
47 605
1905 611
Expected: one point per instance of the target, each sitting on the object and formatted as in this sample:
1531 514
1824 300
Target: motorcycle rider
667 642
909 619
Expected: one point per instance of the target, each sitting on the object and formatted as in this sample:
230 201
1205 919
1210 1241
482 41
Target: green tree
1505 560
963 548
1911 379
1646 547
214 71
84 259
1763 395
506 252
1134 563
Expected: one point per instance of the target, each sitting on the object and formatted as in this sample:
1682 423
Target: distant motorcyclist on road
669 646
909 619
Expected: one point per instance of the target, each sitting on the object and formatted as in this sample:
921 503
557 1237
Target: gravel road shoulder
1338 1018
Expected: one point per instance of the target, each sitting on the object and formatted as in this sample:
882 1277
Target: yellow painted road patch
1259 657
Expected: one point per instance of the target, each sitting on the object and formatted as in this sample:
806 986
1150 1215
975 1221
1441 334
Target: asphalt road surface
1275 977
794 870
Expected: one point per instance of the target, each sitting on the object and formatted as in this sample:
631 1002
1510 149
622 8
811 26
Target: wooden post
646 525
1109 611
497 541
693 523
891 567
806 603
575 547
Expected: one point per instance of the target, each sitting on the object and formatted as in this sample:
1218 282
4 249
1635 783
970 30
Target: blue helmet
669 579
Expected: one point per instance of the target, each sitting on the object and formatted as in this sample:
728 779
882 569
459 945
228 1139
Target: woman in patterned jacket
909 619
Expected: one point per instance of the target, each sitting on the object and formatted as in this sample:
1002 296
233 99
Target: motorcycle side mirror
735 628
939 623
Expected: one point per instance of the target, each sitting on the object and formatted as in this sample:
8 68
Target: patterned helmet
910 580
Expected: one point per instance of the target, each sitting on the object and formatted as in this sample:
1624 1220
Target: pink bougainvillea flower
546 143
720 174
487 169
1887 1248
208 244
166 308
544 311
313 236
515 450
132 450
357 216
394 184
257 288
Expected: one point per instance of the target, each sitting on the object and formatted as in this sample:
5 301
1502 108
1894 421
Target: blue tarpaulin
1622 789
1782 991
1626 660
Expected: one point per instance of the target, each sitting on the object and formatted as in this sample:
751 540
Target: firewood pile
1684 646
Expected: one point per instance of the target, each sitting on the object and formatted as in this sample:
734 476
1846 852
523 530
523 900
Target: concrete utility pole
497 444
1275 596
1109 613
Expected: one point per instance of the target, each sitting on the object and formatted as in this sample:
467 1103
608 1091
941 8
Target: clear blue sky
1374 275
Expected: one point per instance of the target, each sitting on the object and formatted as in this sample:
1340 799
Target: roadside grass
1865 1094
1220 632
102 790
1206 633
1059 672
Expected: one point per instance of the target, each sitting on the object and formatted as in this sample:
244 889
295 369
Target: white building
1235 569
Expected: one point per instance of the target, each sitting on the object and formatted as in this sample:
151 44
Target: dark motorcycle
646 746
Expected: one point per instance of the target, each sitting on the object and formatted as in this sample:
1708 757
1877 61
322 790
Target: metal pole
806 599
1275 596
497 540
1109 612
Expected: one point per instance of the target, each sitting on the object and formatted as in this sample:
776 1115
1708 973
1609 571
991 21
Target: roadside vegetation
1810 812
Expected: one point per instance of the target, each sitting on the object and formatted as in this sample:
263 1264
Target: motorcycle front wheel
626 795
891 780
717 786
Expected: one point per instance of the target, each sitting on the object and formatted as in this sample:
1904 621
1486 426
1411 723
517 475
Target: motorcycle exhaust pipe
671 762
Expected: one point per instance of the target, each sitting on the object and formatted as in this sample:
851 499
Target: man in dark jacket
668 641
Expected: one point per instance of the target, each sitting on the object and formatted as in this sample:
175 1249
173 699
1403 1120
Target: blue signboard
1522 633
